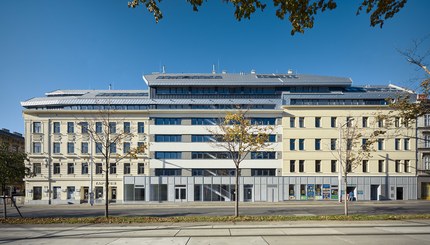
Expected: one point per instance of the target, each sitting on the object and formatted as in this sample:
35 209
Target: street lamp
340 157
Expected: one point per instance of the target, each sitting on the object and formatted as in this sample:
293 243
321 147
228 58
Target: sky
48 45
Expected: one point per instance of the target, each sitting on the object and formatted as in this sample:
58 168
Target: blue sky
48 45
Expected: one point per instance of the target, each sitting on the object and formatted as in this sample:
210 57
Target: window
167 172
99 148
99 127
292 122
37 168
37 192
99 168
397 122
349 144
37 147
84 147
348 166
397 167
426 160
364 145
112 127
407 166
301 166
37 127
427 141
168 155
127 169
112 147
140 127
167 121
349 121
333 166
317 144
263 155
301 122
365 165
317 166
126 127
140 168
292 166
210 155
301 144
70 168
380 144
56 127
140 145
380 166
126 148
333 144
70 147
365 122
112 168
84 168
174 138
57 148
292 144
57 169
406 144
263 121
263 172
84 127
317 122
333 122
380 122
426 120
204 121
70 127
397 144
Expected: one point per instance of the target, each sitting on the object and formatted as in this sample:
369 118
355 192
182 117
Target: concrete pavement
309 232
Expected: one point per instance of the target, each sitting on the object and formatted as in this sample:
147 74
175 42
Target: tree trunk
4 202
236 207
107 190
346 195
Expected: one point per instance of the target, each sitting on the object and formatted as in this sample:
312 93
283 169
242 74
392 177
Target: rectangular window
427 141
397 144
263 172
99 127
301 122
168 172
317 122
349 144
426 160
99 148
56 127
204 121
333 144
333 166
84 127
397 122
365 122
292 122
292 144
112 148
57 148
406 144
397 167
263 121
407 166
349 121
292 166
348 166
140 168
37 168
84 168
70 127
380 166
317 166
70 168
57 168
175 138
380 144
333 122
84 147
127 168
37 127
317 144
112 127
380 122
140 146
263 155
168 155
112 168
126 148
99 168
426 120
70 147
364 144
140 127
301 144
127 127
365 165
301 166
167 121
37 147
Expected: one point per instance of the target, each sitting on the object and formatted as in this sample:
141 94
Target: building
15 142
173 117
423 152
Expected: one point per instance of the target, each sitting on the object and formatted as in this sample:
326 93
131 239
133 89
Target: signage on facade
103 183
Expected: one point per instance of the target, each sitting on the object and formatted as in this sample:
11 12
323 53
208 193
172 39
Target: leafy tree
102 129
301 13
12 167
239 137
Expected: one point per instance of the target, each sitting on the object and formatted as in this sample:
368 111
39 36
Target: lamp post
340 157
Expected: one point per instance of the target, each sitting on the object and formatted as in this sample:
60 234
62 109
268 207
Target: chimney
213 69
252 71
163 69
290 72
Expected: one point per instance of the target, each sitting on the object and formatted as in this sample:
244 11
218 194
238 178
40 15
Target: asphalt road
223 209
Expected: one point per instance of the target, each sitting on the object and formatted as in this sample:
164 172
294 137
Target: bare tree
239 137
108 137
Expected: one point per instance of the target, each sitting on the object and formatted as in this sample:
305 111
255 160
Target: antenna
110 86
163 69
213 69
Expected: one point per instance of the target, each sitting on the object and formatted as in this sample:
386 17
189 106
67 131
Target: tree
239 137
301 13
12 167
355 146
102 129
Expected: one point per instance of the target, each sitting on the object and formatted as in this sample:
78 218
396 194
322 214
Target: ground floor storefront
424 188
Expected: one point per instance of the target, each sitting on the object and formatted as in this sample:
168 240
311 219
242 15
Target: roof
191 79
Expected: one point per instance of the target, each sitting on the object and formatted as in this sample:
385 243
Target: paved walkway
315 232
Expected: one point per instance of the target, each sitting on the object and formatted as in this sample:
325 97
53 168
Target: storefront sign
103 183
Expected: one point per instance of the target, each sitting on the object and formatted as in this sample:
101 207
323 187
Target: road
224 209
